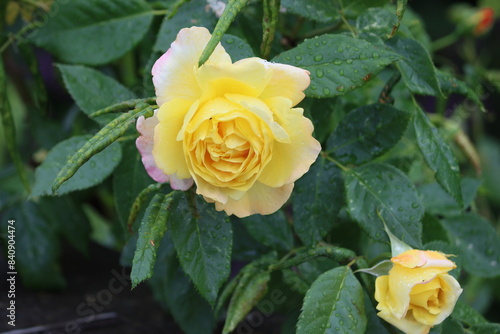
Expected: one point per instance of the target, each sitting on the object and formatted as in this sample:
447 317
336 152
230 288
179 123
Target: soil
97 300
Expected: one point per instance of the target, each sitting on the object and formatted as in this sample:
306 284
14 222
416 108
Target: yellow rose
230 127
418 293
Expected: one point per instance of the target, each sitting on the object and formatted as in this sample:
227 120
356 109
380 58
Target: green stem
385 94
339 254
323 30
233 7
327 157
124 106
19 34
445 41
269 23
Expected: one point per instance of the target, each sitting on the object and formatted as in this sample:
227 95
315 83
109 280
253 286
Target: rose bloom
229 127
418 293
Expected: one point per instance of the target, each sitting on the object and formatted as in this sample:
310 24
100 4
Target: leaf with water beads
438 155
153 227
203 240
334 304
375 190
96 169
337 63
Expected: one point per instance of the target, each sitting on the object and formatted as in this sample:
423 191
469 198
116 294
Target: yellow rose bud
418 293
230 127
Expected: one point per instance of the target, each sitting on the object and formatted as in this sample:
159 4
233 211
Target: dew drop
375 55
318 57
341 72
326 91
349 61
340 88
298 57
319 73
337 62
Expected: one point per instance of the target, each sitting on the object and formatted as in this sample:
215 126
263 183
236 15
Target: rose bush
418 293
229 127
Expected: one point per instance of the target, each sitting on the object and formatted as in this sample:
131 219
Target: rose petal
246 77
452 291
168 152
290 160
415 258
259 199
286 81
144 144
174 73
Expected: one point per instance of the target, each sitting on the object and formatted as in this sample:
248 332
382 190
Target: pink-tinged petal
174 73
259 199
287 81
180 184
290 160
145 143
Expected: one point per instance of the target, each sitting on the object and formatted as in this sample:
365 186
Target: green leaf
153 227
271 230
366 133
451 85
170 27
382 189
94 32
9 130
438 155
61 210
466 314
451 326
334 304
173 289
340 63
100 141
378 21
129 179
236 47
374 323
318 197
439 202
416 67
37 247
246 296
380 269
397 246
90 174
92 90
412 26
317 10
485 329
478 243
203 239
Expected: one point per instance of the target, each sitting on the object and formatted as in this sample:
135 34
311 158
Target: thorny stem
384 96
123 106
